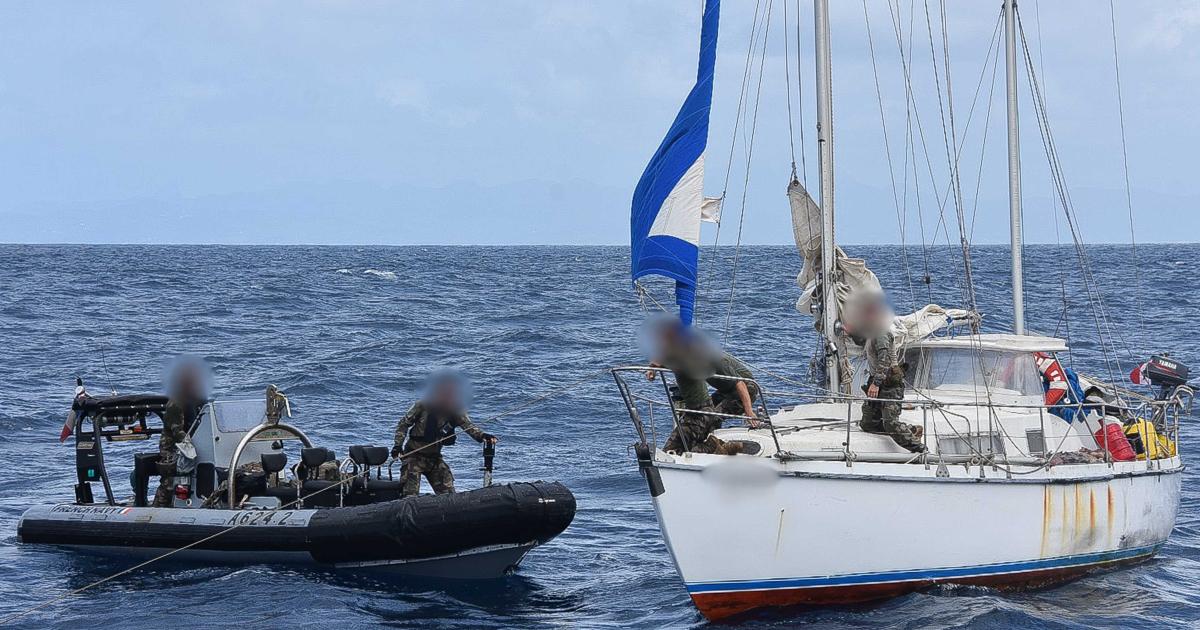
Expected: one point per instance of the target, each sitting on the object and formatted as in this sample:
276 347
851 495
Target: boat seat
311 460
314 497
145 466
285 494
369 456
273 462
364 492
315 456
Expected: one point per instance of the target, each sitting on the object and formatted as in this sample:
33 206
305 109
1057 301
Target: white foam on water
386 275
345 271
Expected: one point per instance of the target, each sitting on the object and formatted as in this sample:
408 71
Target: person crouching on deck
682 350
430 424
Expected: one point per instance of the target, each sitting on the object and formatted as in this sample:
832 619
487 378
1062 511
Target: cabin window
1037 441
239 416
967 369
971 444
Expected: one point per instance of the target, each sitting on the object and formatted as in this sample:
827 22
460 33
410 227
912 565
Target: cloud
405 94
1170 29
414 96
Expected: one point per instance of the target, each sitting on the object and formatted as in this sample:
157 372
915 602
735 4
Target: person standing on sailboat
871 327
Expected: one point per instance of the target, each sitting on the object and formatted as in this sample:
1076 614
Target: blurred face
445 395
188 379
447 391
867 315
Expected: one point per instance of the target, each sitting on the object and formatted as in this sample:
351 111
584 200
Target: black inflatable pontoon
360 522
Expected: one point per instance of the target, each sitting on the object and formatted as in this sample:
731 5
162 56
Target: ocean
350 332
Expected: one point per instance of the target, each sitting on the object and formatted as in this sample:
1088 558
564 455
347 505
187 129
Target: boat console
228 435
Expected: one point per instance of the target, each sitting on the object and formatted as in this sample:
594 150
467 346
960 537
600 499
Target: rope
950 142
54 600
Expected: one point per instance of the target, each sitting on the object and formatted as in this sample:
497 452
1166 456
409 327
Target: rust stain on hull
1047 511
1092 510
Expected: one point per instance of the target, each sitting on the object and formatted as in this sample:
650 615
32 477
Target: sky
521 122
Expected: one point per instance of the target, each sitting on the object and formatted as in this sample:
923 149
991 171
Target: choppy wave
386 275
520 321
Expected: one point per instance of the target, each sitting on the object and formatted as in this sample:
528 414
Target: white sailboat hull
749 532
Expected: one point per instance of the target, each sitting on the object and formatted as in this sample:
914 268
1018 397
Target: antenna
104 364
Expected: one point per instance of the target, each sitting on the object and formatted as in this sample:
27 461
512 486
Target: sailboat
1010 493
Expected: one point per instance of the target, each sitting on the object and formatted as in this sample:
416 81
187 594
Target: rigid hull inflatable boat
354 517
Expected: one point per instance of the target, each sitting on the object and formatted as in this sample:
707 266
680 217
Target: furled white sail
853 276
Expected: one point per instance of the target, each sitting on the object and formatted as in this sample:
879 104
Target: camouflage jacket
425 428
881 360
176 420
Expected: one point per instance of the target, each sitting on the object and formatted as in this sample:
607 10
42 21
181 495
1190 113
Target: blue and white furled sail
667 203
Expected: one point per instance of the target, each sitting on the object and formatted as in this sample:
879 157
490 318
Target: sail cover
665 222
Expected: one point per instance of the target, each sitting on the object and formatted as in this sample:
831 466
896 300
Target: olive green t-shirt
728 365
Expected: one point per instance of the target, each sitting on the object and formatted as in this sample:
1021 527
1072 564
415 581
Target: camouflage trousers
164 496
693 433
884 417
435 471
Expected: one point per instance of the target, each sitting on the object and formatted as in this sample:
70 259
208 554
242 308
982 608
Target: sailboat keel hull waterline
815 535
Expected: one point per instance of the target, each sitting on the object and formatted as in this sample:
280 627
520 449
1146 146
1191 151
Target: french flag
69 425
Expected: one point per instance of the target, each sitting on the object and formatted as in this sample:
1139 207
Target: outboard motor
1162 372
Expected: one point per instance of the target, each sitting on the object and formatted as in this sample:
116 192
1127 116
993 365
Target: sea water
350 332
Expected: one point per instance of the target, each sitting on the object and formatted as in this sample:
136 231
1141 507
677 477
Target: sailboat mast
1014 166
829 308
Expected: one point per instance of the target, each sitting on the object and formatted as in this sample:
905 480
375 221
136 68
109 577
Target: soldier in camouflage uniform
186 397
692 364
886 382
429 424
735 398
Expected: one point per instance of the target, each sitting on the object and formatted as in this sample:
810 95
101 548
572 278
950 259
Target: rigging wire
905 61
1137 272
986 126
887 148
746 183
1104 326
1064 320
787 78
738 120
950 140
800 100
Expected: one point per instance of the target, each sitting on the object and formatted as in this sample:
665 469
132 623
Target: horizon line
702 247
